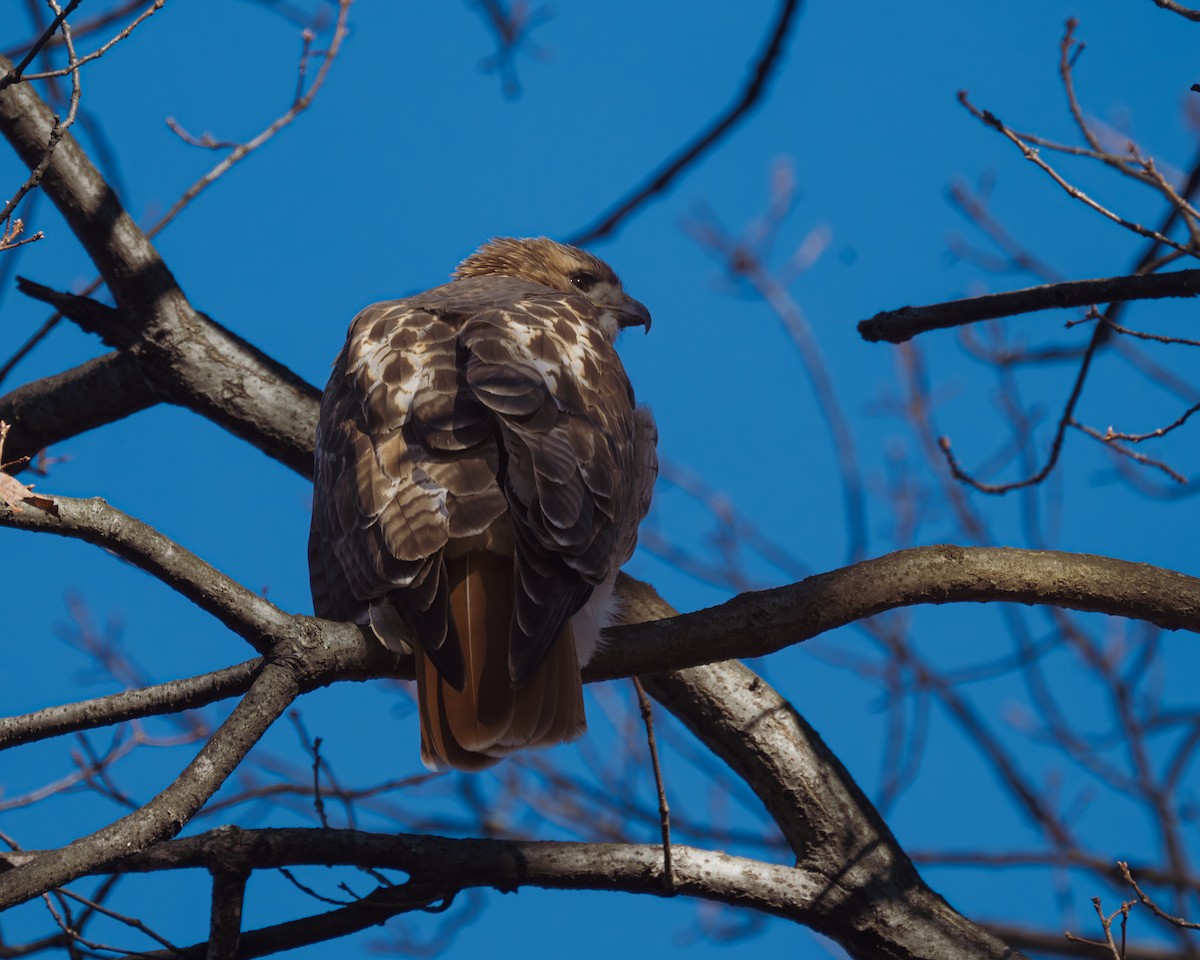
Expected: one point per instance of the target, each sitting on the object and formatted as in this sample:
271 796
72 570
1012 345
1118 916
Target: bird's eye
584 280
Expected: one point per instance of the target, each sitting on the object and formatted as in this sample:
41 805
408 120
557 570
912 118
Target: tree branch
662 178
190 359
440 867
230 870
100 391
750 625
170 697
755 624
164 816
897 326
1186 12
1054 943
873 903
246 613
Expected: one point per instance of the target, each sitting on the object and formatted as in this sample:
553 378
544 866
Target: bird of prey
481 471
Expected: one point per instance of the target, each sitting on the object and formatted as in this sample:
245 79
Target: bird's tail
488 719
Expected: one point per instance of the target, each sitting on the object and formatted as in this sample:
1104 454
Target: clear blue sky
412 155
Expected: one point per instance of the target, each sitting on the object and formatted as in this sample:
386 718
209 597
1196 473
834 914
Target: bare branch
98 392
42 154
662 178
97 907
440 867
165 815
82 28
94 521
170 697
12 73
98 53
302 101
664 809
230 870
781 617
1186 12
828 821
1072 191
1150 904
512 27
1110 440
755 624
896 326
1016 257
1033 478
13 228
743 261
265 402
1054 943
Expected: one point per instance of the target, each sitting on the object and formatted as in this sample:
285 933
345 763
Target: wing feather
485 396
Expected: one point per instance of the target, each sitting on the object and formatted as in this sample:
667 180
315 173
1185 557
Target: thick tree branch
164 816
873 902
755 624
242 610
230 870
103 390
442 867
897 326
749 625
191 360
163 698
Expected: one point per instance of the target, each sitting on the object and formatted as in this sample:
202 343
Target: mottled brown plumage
481 470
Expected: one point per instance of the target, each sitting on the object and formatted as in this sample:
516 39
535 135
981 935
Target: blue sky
412 155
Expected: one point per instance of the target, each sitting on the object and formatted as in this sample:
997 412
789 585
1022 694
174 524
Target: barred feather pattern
479 449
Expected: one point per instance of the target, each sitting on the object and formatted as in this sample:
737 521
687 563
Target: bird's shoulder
497 301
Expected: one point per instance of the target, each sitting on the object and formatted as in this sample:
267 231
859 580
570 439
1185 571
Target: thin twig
1153 907
1072 191
132 922
14 75
1186 12
1056 444
1110 438
241 151
313 746
101 51
82 28
664 810
59 127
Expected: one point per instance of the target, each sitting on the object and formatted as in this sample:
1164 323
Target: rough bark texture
897 326
851 880
872 900
186 357
98 392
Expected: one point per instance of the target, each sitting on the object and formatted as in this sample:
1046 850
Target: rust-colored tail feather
473 729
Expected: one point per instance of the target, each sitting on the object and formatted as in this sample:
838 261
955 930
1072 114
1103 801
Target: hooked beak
631 313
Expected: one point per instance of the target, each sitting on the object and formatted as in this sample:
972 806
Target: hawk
481 471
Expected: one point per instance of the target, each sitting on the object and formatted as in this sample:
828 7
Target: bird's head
560 267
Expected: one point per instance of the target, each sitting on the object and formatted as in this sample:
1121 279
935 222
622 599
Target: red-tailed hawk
481 471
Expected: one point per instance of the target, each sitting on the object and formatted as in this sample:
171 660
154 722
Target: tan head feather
559 267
